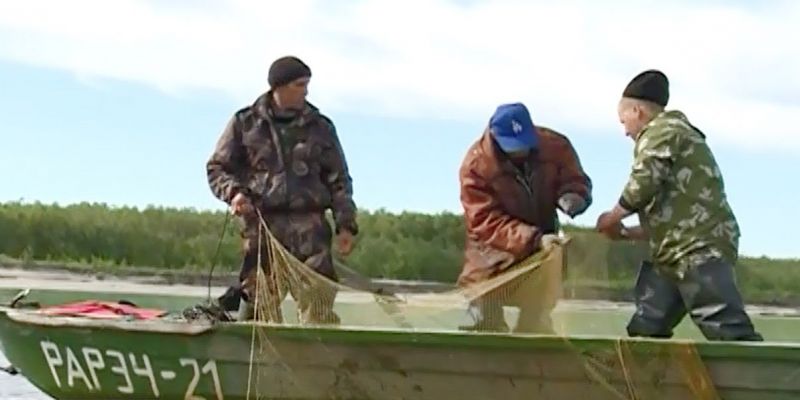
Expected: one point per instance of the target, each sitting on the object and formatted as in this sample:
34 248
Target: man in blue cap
513 179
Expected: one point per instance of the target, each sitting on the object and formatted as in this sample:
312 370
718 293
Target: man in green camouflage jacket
677 190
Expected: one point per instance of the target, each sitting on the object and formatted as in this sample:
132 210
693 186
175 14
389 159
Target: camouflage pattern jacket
678 191
508 208
291 165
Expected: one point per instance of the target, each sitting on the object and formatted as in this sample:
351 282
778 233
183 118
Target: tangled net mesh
616 369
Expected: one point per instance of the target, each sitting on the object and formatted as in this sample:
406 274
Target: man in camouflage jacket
677 190
283 157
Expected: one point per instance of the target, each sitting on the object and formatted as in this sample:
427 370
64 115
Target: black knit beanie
286 69
651 85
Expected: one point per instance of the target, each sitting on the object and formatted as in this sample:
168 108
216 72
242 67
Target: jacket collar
496 160
263 107
671 117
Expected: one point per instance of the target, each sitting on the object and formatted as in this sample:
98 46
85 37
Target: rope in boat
216 253
255 318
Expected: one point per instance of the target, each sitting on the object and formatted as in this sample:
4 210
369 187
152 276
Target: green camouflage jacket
677 189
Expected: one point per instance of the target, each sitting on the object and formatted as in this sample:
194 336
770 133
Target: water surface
17 387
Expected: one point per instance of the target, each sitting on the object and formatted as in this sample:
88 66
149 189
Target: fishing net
531 298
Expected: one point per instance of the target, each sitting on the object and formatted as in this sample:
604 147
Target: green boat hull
78 358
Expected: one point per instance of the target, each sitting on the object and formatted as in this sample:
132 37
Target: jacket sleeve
336 176
225 165
652 163
571 176
486 220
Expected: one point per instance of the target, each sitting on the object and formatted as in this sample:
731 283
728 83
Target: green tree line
408 246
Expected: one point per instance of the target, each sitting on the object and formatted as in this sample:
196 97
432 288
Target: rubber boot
246 311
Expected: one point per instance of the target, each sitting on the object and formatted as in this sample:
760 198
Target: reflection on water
17 387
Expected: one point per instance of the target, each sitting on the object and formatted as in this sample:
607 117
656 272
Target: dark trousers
307 236
707 292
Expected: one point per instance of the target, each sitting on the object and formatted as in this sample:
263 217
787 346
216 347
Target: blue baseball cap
512 128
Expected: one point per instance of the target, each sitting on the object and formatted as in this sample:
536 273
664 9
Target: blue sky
123 103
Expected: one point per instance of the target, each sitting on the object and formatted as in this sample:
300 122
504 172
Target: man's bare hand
241 205
344 242
609 225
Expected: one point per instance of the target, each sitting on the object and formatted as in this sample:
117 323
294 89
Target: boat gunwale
789 351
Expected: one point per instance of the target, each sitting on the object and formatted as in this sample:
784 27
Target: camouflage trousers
307 236
536 294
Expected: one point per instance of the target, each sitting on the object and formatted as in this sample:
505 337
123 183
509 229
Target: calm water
17 387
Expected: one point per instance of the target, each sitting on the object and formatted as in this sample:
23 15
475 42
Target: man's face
293 95
631 118
518 155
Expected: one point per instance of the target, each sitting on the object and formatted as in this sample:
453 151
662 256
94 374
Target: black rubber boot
659 306
715 304
246 311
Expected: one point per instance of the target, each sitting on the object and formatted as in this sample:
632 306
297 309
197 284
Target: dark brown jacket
507 209
294 165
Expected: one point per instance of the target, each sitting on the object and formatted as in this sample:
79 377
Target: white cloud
732 67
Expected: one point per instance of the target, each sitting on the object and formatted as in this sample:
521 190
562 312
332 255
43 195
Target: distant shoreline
192 282
398 252
52 271
146 275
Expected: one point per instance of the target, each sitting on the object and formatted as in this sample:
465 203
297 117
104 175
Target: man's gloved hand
550 240
572 204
